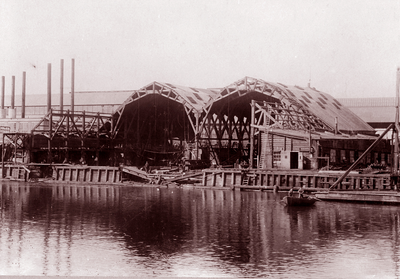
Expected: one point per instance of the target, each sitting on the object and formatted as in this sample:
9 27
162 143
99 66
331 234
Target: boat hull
293 201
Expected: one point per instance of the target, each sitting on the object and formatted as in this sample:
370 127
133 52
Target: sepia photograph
200 139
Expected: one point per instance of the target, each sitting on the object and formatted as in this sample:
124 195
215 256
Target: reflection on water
135 231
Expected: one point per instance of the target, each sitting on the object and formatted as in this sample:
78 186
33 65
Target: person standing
301 192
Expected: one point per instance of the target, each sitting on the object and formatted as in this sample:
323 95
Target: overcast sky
348 48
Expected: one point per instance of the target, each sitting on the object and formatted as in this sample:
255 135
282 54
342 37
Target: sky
345 48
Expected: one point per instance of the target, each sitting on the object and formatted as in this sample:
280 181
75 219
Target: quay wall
227 179
87 174
285 179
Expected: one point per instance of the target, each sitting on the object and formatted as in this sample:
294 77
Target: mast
396 129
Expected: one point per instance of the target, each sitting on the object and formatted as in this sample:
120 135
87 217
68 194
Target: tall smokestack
23 94
13 92
72 85
62 85
3 93
48 87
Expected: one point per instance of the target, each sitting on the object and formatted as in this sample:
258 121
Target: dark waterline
134 231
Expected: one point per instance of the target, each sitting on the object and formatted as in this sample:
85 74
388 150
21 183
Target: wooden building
250 122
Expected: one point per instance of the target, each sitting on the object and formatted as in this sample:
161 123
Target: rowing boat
305 201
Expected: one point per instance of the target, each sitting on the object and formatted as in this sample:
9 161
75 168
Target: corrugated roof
192 98
372 110
368 102
197 97
327 108
320 104
318 135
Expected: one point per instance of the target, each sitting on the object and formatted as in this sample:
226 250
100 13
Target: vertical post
72 86
396 134
83 159
2 159
98 140
252 133
62 86
48 87
336 126
66 140
196 139
125 138
13 92
49 157
23 94
3 93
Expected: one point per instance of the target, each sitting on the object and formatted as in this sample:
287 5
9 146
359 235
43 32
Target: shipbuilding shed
158 123
163 123
229 123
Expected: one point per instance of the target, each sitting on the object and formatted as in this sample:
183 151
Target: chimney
23 94
48 87
11 112
3 93
62 85
72 85
13 92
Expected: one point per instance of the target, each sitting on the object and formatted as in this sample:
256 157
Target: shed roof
320 104
378 112
194 99
317 135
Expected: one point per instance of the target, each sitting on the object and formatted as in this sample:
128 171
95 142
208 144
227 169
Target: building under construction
250 124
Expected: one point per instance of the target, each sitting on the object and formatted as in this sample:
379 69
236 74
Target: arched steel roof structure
220 118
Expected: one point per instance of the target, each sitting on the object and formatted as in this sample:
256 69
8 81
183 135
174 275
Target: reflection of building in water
41 225
56 229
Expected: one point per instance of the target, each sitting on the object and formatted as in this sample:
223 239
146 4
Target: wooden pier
383 197
87 174
285 179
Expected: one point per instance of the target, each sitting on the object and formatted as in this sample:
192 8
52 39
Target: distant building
377 112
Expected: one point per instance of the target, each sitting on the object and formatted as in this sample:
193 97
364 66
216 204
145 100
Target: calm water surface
133 231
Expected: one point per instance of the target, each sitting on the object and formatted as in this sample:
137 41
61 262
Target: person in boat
301 192
290 193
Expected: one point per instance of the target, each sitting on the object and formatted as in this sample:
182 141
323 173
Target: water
135 231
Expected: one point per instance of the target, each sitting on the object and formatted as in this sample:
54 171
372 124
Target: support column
251 155
48 87
3 85
62 86
72 87
197 135
23 94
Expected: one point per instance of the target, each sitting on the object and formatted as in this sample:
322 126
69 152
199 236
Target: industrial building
248 123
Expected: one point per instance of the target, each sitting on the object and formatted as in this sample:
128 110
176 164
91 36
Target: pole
252 133
62 86
48 87
337 182
197 135
397 130
13 92
23 94
72 86
3 92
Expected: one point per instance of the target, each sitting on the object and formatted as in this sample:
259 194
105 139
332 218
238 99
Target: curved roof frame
194 108
294 111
